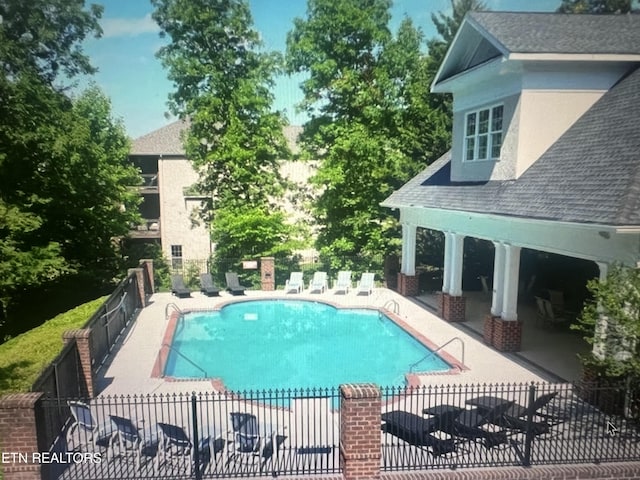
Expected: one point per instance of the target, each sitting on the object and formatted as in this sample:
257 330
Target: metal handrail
436 351
206 375
117 307
394 304
175 307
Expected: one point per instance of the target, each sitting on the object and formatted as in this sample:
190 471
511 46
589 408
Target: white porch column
511 274
408 266
498 279
457 256
446 275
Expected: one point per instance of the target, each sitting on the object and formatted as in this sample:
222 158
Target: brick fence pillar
453 308
360 450
507 335
82 338
408 285
268 274
20 416
147 265
139 274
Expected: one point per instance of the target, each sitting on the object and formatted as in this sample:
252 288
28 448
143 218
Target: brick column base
408 285
20 415
139 274
268 274
489 326
453 308
147 265
360 452
507 335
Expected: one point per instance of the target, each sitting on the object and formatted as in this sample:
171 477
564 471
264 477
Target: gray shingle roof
163 141
562 33
590 175
167 140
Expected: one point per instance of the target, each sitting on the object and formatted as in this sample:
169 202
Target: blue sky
137 84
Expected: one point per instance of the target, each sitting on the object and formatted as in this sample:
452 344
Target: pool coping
412 378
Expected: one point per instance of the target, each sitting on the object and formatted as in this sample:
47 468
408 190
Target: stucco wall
176 211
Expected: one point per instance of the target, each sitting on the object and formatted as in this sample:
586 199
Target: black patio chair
207 286
178 287
233 284
468 425
516 417
416 430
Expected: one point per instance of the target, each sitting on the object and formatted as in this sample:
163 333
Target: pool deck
129 370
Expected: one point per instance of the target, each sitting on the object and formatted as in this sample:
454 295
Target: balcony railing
150 228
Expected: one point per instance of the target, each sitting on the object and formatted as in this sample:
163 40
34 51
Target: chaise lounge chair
416 430
295 283
173 443
515 418
178 287
318 282
129 438
249 443
233 284
206 285
84 430
343 282
366 283
468 424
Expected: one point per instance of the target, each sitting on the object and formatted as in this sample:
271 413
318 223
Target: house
170 203
545 153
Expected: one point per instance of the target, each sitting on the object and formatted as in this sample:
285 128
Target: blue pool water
294 344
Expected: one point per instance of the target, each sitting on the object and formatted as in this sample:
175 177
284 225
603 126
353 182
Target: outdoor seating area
319 283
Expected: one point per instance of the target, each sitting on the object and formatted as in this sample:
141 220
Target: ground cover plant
24 357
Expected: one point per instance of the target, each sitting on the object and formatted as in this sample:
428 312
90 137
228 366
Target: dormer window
483 134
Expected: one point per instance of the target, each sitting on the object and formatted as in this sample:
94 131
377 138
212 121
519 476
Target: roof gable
590 175
485 36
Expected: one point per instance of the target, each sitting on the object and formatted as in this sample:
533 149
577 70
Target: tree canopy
373 121
222 80
222 87
594 6
63 161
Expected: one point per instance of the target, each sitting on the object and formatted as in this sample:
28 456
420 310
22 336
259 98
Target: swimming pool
262 344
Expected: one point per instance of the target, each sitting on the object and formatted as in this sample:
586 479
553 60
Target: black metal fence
204 435
63 377
476 426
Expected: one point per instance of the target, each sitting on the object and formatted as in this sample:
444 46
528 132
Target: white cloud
128 27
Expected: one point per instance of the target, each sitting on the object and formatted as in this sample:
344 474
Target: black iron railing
198 436
500 425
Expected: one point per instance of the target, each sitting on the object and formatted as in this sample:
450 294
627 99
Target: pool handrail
433 352
170 347
175 308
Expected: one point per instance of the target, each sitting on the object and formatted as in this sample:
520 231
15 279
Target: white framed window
176 256
483 134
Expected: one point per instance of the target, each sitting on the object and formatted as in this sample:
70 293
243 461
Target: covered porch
551 349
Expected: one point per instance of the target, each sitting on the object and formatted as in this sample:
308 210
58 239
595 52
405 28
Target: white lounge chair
294 283
366 283
343 282
318 282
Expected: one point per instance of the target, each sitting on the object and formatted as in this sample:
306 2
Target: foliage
595 6
40 44
252 232
88 180
133 252
611 322
222 82
23 358
373 122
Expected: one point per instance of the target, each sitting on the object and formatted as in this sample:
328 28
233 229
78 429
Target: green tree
222 86
595 6
88 179
373 124
222 80
611 323
40 45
